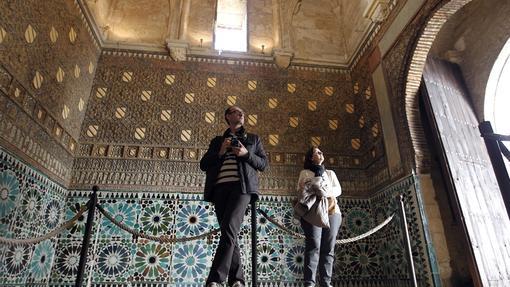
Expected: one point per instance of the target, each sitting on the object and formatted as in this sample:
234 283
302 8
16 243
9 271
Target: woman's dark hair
308 158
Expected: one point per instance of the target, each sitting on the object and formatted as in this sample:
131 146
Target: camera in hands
234 142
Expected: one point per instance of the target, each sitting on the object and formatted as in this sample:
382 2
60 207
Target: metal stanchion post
407 239
86 237
497 163
254 244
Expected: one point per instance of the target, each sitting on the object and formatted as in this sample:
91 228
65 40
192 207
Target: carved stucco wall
164 114
47 64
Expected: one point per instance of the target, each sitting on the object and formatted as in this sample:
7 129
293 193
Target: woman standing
322 185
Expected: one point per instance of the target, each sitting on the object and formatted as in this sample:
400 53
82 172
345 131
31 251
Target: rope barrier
339 241
166 238
68 224
161 239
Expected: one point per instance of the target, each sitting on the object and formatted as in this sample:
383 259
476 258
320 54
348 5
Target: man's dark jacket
248 166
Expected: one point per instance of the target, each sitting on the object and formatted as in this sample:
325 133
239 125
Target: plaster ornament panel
30 34
375 130
60 75
355 88
91 68
131 152
57 130
77 71
140 133
127 76
291 88
252 120
92 131
65 112
368 93
53 35
209 117
294 122
3 35
101 92
312 105
186 135
333 124
272 103
211 82
165 115
169 79
349 108
315 141
361 122
146 96
356 143
231 100
252 85
72 35
120 112
329 91
189 98
38 80
274 139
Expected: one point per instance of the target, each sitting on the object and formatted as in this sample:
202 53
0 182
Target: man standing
231 164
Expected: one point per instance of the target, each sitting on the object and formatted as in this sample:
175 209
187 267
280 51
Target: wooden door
474 183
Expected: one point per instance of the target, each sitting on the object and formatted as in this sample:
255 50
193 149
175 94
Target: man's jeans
230 205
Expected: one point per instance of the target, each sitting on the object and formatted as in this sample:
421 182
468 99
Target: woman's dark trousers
320 250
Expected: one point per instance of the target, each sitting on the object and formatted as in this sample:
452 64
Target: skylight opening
230 29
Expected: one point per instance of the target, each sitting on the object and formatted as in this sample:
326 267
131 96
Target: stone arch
413 76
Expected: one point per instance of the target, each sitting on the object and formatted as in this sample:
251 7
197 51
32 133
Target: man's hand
224 146
240 151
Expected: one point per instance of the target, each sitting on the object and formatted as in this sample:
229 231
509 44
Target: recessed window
497 99
230 30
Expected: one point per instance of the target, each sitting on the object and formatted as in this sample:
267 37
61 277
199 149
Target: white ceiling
322 32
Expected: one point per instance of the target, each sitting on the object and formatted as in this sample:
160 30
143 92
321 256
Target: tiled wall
34 205
31 205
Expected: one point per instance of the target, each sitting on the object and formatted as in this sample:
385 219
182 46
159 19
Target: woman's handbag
318 213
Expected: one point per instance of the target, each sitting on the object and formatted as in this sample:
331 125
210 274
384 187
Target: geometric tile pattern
116 257
30 205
